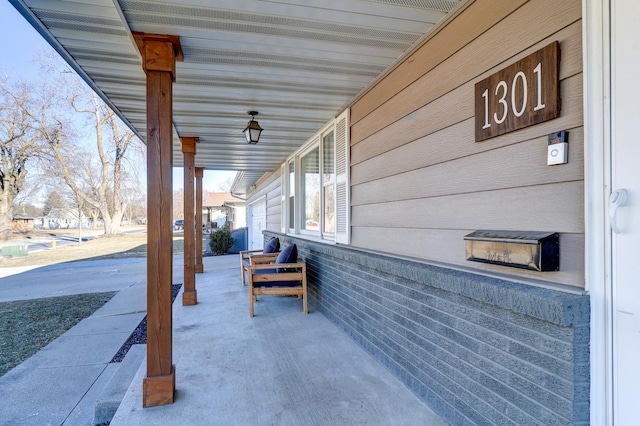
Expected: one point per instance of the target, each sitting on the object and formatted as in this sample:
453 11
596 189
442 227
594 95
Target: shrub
220 240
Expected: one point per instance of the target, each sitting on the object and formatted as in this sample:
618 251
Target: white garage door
257 223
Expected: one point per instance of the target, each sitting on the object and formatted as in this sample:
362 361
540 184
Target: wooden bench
271 248
277 279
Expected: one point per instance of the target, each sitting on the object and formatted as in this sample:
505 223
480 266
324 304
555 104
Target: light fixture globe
253 130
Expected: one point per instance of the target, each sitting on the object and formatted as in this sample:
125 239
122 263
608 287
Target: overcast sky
20 45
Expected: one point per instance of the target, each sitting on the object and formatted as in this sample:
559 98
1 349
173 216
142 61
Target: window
292 194
310 186
315 185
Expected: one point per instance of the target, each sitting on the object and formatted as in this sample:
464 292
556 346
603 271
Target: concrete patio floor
279 368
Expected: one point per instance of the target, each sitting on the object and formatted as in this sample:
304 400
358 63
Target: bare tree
97 187
94 173
24 201
178 204
54 201
225 186
21 110
135 196
40 122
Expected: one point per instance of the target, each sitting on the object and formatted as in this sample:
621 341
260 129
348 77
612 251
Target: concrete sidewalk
279 368
60 384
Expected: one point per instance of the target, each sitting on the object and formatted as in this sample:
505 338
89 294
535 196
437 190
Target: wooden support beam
199 265
159 53
189 295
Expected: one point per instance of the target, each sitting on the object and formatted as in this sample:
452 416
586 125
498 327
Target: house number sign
520 95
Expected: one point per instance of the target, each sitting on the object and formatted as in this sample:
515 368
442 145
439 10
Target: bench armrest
258 259
244 253
258 267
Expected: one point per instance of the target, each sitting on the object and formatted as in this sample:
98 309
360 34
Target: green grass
26 326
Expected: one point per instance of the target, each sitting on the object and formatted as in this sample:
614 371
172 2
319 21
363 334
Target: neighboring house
58 218
22 222
221 208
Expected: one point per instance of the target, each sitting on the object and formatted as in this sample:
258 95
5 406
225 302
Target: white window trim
343 177
324 234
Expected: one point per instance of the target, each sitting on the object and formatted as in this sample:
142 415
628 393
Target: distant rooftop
218 199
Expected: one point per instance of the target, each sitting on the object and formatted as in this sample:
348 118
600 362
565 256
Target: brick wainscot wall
476 349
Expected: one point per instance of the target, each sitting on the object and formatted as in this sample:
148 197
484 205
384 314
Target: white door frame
597 177
597 127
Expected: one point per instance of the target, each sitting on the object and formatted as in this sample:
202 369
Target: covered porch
280 367
374 163
184 75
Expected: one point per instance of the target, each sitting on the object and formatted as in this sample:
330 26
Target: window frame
315 142
339 183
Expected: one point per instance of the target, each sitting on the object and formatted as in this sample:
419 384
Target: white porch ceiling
299 63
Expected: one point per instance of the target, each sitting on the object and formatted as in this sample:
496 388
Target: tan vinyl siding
524 31
469 24
420 182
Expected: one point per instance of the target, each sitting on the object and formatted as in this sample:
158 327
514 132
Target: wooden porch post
199 265
159 54
190 295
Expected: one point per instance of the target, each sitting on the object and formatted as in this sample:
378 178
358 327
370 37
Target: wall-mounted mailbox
537 251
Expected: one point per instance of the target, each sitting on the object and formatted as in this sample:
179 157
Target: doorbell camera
558 148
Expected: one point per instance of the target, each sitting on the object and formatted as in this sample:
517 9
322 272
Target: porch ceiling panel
297 63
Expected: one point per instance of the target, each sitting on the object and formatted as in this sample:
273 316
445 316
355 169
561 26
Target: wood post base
199 268
190 298
159 390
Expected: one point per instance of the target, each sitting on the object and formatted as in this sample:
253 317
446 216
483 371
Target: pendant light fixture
253 129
